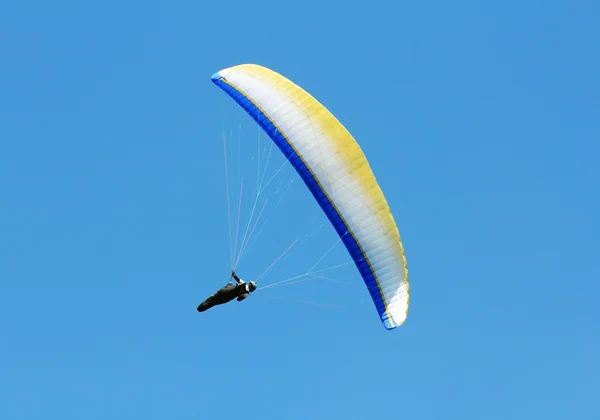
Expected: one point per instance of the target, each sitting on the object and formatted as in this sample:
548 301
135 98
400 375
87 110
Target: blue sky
480 120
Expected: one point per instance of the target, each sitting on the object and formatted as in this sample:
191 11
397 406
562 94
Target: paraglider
229 292
335 170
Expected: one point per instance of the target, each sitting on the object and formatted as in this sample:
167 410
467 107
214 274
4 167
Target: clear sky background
480 120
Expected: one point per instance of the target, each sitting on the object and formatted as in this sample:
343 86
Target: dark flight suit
226 294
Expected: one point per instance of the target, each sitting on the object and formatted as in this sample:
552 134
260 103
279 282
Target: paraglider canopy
336 171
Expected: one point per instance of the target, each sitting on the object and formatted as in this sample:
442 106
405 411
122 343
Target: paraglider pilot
227 293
